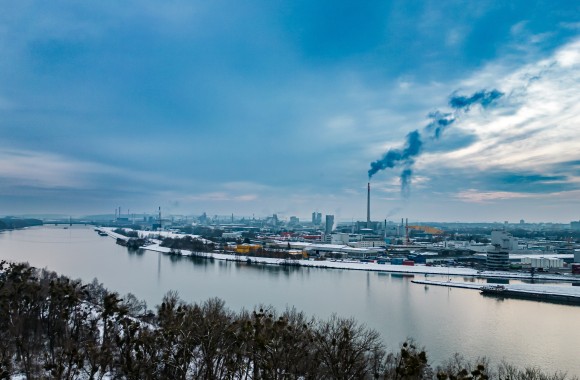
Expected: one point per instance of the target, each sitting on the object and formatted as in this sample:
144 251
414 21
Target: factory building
323 250
232 235
246 249
543 262
344 250
368 244
340 238
357 240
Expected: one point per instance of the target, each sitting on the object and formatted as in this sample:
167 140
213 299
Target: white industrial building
367 244
232 235
340 238
325 249
504 240
543 262
357 240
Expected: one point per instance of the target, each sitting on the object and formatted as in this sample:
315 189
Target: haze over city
269 107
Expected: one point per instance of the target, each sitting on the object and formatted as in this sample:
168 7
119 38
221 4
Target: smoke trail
484 98
393 211
439 122
442 120
406 175
395 157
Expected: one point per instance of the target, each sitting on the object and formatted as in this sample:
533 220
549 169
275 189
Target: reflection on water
403 275
136 252
443 320
498 281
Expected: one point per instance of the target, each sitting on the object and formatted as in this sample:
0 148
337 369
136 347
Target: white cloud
340 124
45 170
570 25
518 28
569 56
456 36
217 196
245 186
475 196
536 123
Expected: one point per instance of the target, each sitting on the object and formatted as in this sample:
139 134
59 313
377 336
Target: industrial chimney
369 205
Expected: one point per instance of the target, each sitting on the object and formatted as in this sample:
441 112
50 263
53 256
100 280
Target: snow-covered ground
343 264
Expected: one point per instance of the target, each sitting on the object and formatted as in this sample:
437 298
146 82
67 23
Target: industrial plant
487 246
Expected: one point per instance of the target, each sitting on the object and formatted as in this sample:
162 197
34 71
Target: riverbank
340 264
443 321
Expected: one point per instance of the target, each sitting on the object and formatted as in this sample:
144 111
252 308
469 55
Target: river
444 320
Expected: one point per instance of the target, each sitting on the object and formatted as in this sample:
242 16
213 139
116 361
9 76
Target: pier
548 293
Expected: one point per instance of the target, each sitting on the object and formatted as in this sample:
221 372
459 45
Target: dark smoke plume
484 98
442 120
396 157
406 175
439 122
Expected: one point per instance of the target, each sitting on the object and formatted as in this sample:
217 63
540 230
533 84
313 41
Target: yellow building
245 249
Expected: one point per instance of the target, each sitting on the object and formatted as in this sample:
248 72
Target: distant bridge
69 222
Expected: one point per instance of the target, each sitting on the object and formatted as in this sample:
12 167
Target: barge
503 292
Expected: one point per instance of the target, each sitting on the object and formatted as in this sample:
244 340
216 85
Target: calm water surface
444 320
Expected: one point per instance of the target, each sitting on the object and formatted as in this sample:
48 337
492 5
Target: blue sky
262 107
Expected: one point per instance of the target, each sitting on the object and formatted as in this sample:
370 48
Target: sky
261 107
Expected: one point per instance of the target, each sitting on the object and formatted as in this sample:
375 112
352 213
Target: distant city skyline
458 111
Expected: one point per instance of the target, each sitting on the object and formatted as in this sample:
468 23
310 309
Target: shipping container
420 259
408 262
397 261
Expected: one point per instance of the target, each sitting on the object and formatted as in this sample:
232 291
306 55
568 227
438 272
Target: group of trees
126 232
275 253
193 244
12 223
204 231
52 327
188 243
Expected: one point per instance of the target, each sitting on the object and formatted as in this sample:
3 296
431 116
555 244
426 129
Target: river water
444 320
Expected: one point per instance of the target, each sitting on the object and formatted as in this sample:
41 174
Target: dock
569 295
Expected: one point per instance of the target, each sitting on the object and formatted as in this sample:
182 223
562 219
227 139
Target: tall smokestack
369 205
